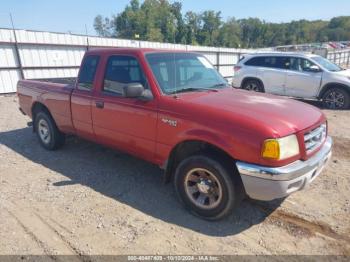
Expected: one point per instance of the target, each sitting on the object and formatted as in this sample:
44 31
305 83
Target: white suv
298 75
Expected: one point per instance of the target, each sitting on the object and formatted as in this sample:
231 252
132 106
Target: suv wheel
253 85
48 134
336 98
206 187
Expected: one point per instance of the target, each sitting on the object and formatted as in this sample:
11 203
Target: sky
72 15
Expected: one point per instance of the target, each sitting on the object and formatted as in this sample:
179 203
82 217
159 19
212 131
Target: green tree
339 28
181 29
160 20
251 31
102 26
211 22
193 25
154 34
229 35
130 22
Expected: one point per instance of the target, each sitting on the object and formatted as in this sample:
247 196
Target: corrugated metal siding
226 71
46 54
49 56
226 58
8 76
50 73
8 56
35 37
8 80
6 35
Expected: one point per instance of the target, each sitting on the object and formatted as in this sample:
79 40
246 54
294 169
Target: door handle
100 104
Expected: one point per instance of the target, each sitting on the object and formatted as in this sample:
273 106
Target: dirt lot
86 199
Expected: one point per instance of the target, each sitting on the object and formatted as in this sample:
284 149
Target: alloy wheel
203 188
334 100
251 86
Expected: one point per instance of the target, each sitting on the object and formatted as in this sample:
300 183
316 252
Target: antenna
175 76
87 38
16 49
13 27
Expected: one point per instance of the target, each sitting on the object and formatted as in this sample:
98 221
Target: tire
222 196
336 98
47 132
253 85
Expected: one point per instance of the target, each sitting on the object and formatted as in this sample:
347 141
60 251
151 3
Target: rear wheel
206 187
48 134
336 98
253 85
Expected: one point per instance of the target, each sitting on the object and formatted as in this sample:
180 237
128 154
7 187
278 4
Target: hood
343 73
282 116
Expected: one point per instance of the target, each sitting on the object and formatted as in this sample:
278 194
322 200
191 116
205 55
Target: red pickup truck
173 109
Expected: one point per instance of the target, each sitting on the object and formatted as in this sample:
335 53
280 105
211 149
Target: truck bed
60 80
54 94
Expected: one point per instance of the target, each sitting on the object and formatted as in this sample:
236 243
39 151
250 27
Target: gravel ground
86 199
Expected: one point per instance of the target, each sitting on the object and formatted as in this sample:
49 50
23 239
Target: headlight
280 148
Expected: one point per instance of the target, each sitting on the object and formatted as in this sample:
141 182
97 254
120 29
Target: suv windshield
184 72
326 64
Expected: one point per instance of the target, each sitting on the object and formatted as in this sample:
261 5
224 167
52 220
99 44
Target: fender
332 84
38 100
204 136
207 137
195 139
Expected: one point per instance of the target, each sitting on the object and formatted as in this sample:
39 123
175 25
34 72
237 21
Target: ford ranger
172 108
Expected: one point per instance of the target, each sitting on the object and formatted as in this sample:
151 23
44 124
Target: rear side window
282 62
122 70
88 72
256 61
269 61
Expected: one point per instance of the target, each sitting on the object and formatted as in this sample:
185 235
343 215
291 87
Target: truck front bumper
268 183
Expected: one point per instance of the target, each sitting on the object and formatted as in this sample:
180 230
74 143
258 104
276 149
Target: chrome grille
315 138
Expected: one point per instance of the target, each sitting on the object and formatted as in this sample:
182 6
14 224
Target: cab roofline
134 50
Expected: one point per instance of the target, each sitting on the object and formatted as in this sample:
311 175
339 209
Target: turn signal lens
271 149
280 148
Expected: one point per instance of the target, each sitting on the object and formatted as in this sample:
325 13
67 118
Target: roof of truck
130 50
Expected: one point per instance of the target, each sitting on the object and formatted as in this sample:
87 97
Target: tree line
162 21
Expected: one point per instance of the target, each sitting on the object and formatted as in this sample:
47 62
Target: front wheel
336 98
206 187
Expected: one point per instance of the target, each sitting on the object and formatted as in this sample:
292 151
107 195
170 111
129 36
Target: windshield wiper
192 89
219 85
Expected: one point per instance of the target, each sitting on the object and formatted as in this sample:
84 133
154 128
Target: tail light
236 68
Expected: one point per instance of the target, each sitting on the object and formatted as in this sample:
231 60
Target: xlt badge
170 122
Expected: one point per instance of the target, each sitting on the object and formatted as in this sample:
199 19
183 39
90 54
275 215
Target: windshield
326 64
184 72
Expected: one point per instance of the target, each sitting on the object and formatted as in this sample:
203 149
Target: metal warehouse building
34 55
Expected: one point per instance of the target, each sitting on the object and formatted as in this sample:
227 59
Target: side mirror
314 69
137 90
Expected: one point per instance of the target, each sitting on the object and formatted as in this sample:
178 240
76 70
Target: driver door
303 80
128 124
